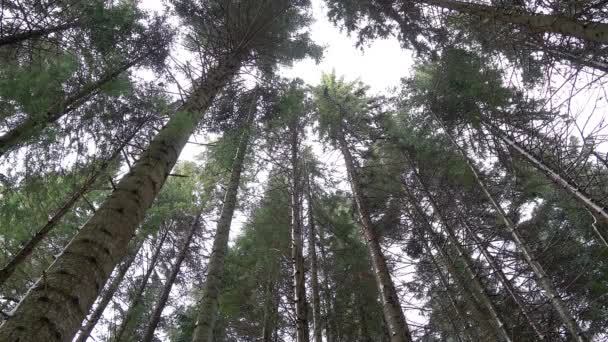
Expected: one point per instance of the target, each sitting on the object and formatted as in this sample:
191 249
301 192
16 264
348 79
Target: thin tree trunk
42 233
208 307
36 33
471 334
120 334
34 124
297 259
326 292
314 275
541 277
505 282
591 31
478 289
270 312
393 314
564 182
162 301
108 294
447 316
55 307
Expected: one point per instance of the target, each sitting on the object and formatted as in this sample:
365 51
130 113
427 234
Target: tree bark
591 31
477 287
36 33
314 275
34 124
541 277
107 295
120 334
297 259
208 307
393 314
55 307
162 301
31 244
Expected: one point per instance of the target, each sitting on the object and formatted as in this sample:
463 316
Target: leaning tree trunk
479 291
208 307
297 245
108 294
314 275
591 31
542 278
505 282
393 314
36 33
471 333
29 246
162 301
34 124
120 334
56 305
567 184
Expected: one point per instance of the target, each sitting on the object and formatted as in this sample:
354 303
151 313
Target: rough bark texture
208 306
162 301
314 269
107 295
55 306
29 246
139 292
395 319
474 283
587 30
541 277
36 33
297 245
34 124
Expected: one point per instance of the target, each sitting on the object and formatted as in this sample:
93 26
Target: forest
466 202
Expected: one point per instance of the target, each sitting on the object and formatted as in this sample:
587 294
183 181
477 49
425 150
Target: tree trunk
541 277
297 259
108 294
36 33
120 334
270 312
475 283
447 315
29 246
505 282
162 301
55 307
591 31
568 185
397 326
34 124
208 307
471 333
329 328
314 275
